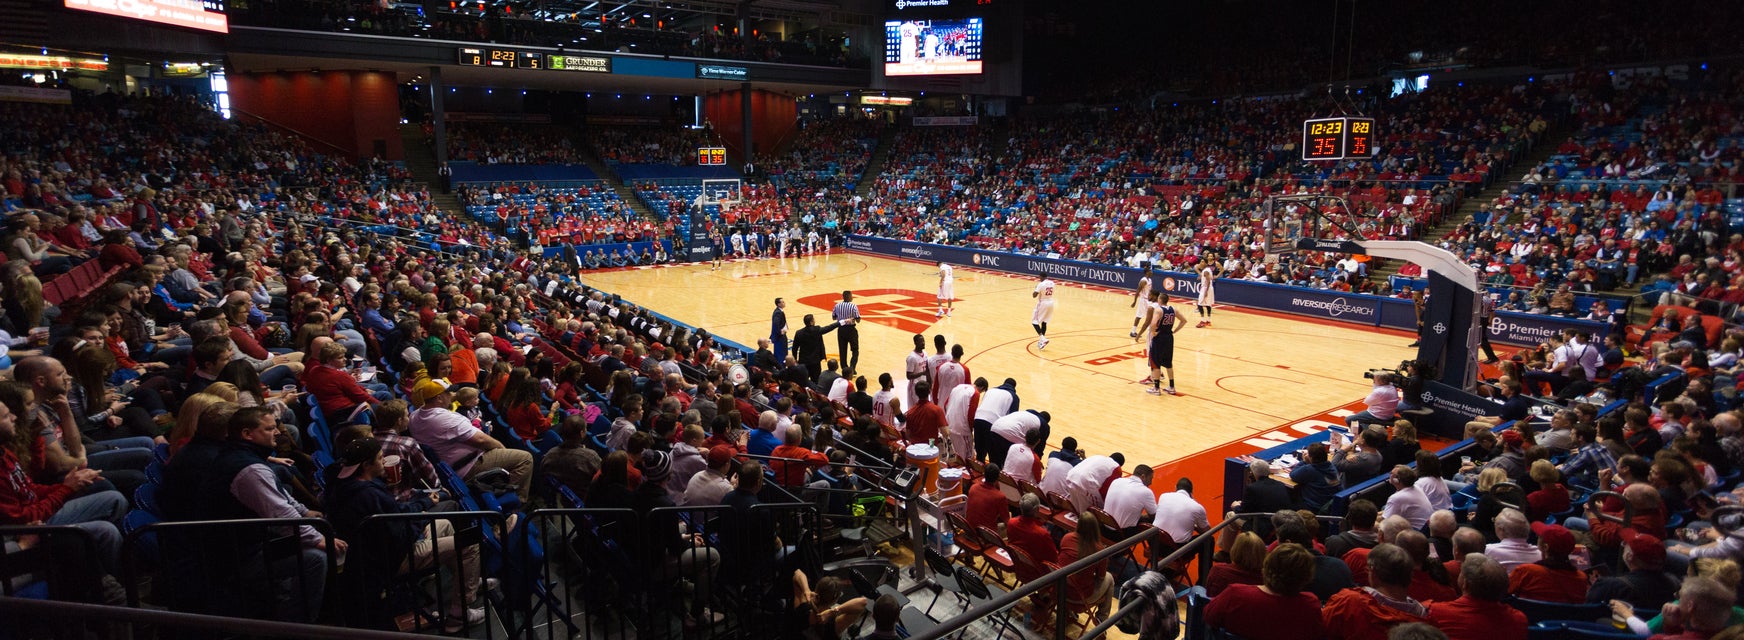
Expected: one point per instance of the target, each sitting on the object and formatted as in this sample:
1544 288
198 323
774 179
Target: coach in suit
778 330
808 344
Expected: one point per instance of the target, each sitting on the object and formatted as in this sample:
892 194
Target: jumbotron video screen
932 47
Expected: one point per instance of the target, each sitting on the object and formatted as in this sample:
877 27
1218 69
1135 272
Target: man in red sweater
1554 578
925 420
1029 533
23 501
790 473
987 505
1366 613
1479 614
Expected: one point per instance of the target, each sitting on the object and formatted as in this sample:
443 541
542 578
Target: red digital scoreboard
1338 139
711 156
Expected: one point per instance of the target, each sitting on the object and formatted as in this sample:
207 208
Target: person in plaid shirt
1588 458
417 473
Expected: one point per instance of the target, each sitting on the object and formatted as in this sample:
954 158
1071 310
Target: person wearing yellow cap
458 443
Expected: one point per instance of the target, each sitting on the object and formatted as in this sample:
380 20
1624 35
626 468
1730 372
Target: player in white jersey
738 244
916 368
909 36
1142 294
947 290
811 242
949 373
960 417
1161 324
784 239
885 409
1044 309
1207 294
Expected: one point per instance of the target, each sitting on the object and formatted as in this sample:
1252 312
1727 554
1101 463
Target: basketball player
1044 309
720 245
1162 323
784 239
947 290
738 244
885 407
915 368
1142 294
811 241
909 34
1207 293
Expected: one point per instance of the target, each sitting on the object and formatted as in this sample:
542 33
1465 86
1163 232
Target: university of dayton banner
1374 311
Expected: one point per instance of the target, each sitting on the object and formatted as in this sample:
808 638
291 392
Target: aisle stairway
1540 152
606 173
875 164
421 161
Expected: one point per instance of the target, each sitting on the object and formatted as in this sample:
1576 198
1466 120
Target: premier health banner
1374 311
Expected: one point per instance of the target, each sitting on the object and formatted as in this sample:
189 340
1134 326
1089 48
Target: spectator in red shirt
1551 497
1278 608
1366 613
1554 578
1029 533
1466 541
520 407
1429 581
1479 614
333 387
1093 585
792 473
987 506
1247 556
925 420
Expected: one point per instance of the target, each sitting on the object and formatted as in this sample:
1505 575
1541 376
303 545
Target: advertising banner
35 94
944 121
1374 311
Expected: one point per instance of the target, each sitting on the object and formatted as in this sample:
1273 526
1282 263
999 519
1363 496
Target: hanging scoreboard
1338 139
711 156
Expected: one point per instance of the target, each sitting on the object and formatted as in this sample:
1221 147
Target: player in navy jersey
1162 323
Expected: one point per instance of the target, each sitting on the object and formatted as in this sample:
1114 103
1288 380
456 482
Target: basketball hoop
1308 222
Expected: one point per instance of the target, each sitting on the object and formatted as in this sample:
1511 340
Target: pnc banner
1375 311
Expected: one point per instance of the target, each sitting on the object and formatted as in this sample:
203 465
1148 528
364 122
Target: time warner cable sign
1366 310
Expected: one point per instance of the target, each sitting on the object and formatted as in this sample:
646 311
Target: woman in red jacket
523 408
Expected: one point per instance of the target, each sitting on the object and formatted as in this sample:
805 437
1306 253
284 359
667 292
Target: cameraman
1382 402
1410 384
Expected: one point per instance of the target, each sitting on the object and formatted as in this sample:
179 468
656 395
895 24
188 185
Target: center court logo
1335 307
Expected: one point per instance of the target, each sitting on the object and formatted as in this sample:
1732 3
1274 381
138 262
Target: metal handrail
27 608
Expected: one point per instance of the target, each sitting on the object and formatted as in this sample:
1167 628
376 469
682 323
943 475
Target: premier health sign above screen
932 47
207 15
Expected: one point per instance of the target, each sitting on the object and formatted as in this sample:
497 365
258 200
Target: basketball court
1250 373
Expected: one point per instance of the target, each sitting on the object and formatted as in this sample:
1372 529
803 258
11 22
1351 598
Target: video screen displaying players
932 47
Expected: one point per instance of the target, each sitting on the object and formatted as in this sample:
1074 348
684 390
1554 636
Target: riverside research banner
1374 311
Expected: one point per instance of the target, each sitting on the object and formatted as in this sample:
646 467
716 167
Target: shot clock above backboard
1340 138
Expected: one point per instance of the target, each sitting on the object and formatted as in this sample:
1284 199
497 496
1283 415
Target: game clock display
499 58
1338 138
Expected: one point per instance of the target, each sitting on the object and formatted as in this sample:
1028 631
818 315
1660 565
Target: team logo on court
906 310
